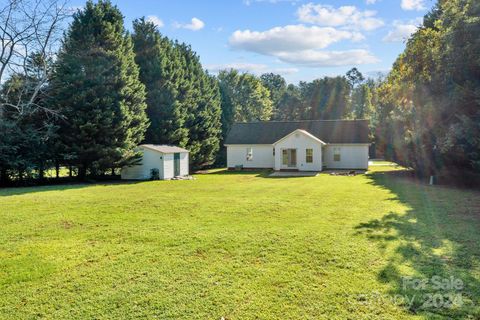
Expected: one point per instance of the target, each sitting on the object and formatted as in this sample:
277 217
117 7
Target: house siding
155 160
351 156
262 156
301 142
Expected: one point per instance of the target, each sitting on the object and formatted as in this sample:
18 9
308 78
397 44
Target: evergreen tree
201 97
183 100
162 72
28 133
97 90
354 77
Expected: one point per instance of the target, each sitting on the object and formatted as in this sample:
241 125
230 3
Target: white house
170 161
299 145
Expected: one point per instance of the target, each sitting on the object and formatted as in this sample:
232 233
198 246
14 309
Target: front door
176 164
289 158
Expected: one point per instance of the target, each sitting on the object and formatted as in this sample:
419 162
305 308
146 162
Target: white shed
171 161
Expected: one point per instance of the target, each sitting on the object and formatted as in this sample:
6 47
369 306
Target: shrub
154 174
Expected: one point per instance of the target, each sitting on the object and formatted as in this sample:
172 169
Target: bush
154 174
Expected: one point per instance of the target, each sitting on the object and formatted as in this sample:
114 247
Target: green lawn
238 246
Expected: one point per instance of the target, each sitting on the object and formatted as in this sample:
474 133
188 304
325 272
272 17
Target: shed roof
269 132
164 148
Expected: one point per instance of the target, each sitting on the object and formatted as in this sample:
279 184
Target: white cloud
318 58
194 25
288 38
345 16
156 21
300 45
254 68
284 71
402 30
413 5
371 1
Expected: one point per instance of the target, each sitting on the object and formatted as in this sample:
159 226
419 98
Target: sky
301 40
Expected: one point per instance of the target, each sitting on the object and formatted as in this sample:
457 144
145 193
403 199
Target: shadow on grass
438 236
61 187
225 172
260 173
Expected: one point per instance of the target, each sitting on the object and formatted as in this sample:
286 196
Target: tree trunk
82 172
113 171
57 169
4 179
20 176
70 173
41 173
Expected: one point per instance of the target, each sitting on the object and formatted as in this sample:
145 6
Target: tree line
105 91
88 105
428 107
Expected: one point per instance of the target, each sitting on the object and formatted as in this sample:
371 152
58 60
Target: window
274 152
336 154
309 155
249 154
284 157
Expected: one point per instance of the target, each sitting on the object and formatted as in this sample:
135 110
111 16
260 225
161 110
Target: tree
29 134
28 28
183 101
431 98
202 98
30 31
96 88
277 86
290 105
244 99
354 77
326 98
162 73
362 107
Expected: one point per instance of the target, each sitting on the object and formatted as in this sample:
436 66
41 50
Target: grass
238 246
382 163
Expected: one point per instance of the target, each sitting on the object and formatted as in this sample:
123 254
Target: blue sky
302 40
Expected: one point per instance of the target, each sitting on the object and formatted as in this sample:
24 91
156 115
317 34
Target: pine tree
97 90
202 97
162 73
183 100
27 133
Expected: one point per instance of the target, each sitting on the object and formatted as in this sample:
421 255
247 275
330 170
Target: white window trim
306 155
337 151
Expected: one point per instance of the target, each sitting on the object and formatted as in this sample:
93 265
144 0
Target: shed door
176 164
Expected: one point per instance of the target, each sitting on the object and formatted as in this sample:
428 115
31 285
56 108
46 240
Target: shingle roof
163 148
269 132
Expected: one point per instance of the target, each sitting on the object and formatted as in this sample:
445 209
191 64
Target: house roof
303 132
269 132
163 148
